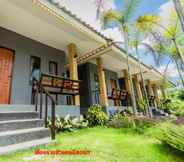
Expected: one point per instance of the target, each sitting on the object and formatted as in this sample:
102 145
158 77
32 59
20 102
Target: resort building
41 36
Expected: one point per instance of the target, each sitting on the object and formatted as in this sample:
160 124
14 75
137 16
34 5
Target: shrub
142 104
119 121
69 124
96 116
173 135
174 102
139 124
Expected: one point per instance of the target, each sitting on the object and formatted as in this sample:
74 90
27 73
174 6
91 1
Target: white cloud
171 71
86 10
166 12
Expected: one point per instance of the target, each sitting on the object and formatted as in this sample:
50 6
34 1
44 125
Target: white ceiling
22 17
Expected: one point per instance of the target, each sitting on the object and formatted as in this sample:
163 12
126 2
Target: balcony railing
117 95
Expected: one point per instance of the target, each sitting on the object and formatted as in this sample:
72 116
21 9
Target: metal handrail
41 89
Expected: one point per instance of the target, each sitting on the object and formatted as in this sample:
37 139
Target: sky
146 6
88 14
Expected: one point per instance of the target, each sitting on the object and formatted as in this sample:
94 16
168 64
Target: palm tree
169 43
180 12
99 5
123 19
135 44
171 33
168 49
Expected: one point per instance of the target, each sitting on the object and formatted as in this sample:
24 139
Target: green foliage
121 121
173 135
175 102
142 104
129 9
96 116
147 23
138 124
69 124
111 16
122 18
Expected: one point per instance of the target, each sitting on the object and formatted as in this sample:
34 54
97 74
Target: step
20 124
24 146
4 116
23 135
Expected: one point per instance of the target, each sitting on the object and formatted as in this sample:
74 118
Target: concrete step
4 116
15 108
25 145
23 135
20 124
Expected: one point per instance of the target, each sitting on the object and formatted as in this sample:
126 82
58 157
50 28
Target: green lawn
106 145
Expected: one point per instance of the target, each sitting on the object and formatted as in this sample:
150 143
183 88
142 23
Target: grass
106 145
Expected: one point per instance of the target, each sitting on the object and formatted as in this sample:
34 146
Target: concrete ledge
16 108
61 110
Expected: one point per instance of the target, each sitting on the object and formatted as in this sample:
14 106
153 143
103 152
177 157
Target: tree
101 6
169 42
122 19
135 43
180 11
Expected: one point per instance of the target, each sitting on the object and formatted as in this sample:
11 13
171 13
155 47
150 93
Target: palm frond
129 8
111 16
153 52
147 22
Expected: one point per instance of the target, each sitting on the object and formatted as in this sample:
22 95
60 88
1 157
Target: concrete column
155 91
72 52
138 87
102 83
163 91
127 82
150 90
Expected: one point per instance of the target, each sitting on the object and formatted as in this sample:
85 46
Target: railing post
53 120
46 109
41 100
36 99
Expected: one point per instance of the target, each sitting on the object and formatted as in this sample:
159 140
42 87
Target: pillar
102 83
127 81
163 91
72 52
150 90
155 91
138 87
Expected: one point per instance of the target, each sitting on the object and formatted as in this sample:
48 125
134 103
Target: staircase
21 128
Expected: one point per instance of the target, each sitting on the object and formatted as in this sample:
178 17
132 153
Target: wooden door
114 86
6 64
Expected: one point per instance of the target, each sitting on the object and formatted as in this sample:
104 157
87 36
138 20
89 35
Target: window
53 68
35 67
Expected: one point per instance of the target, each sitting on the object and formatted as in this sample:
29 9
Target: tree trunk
133 100
148 110
179 72
180 12
178 51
